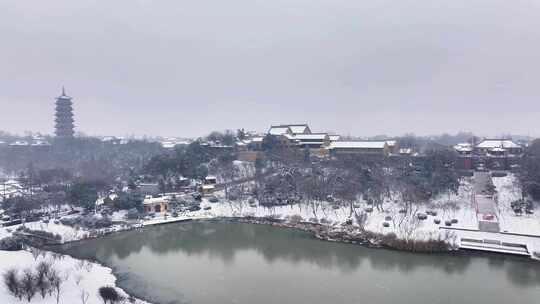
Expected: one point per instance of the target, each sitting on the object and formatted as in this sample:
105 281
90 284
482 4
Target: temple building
64 127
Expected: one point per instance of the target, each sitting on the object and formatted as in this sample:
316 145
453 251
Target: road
485 204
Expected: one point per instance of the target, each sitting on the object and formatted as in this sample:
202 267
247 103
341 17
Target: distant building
312 140
498 147
293 129
381 148
156 205
493 154
64 122
334 137
210 180
279 130
406 152
464 149
208 189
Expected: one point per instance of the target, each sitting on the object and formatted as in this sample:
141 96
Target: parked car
488 217
421 216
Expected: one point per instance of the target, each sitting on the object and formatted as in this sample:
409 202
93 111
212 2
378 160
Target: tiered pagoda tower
64 127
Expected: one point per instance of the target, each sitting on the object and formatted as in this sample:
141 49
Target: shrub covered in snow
40 233
109 295
87 221
43 280
11 243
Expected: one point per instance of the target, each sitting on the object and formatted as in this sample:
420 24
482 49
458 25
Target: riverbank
353 235
222 260
80 278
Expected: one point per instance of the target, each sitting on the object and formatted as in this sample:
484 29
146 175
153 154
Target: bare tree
42 283
12 283
28 284
36 252
56 281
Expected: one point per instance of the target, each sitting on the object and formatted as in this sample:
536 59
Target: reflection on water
210 261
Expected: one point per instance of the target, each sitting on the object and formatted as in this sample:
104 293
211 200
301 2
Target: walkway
486 207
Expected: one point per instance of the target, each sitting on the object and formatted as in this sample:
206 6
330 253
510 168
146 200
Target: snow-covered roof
257 139
297 129
497 143
168 144
357 145
289 136
391 143
279 130
207 187
312 136
156 200
20 143
463 147
210 177
334 137
291 128
405 151
40 143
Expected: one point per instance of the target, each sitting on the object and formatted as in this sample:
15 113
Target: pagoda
64 127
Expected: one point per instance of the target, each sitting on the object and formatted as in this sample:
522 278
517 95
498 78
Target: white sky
185 68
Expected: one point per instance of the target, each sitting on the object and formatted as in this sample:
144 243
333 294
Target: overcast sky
185 68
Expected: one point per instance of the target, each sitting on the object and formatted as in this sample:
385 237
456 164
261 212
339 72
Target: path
486 207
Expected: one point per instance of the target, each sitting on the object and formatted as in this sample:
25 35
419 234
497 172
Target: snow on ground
448 206
10 188
507 192
119 215
81 277
67 233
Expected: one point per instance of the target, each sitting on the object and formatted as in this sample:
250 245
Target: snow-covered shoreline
452 206
81 277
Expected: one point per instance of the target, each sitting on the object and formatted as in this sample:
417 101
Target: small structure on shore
156 205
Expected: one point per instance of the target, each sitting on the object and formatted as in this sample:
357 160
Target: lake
222 262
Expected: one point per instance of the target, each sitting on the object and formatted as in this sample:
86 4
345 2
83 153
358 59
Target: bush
295 219
109 295
28 284
498 174
12 283
132 214
421 216
11 243
40 233
88 221
416 246
325 221
42 283
71 221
